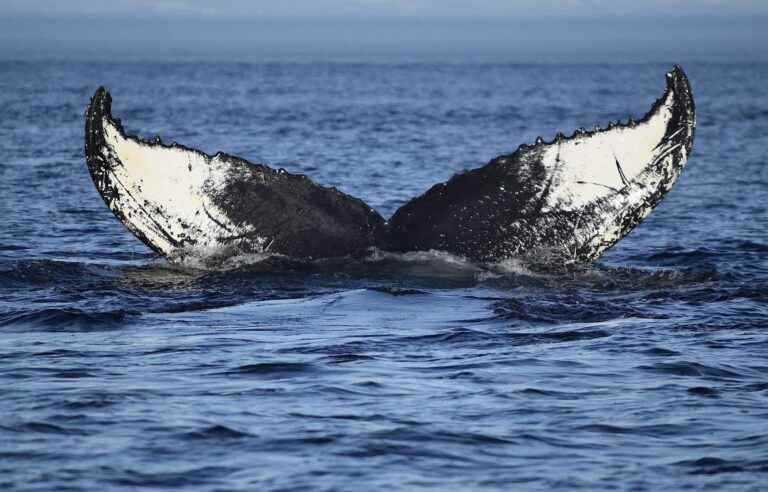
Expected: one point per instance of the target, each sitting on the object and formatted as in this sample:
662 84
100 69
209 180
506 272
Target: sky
373 30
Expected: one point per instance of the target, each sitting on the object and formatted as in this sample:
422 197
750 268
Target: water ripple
416 371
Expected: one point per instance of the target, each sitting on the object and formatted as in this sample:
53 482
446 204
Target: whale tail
573 196
176 199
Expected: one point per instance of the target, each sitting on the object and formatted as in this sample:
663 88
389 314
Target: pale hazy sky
522 30
327 9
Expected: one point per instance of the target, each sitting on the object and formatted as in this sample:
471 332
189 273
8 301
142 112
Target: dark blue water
648 370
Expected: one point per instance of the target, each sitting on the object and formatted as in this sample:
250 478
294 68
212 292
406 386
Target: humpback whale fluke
178 200
573 196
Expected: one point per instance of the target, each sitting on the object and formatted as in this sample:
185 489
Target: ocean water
646 370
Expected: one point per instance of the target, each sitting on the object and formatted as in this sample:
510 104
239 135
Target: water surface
118 371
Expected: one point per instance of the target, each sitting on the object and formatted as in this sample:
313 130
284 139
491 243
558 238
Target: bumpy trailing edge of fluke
572 197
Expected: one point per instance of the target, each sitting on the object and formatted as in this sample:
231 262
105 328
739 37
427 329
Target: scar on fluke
574 196
623 176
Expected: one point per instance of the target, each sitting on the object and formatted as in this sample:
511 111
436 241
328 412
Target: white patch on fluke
624 171
164 193
586 167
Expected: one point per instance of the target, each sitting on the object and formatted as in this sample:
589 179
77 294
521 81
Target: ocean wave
50 272
65 319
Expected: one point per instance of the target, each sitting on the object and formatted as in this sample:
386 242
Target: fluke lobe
573 197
